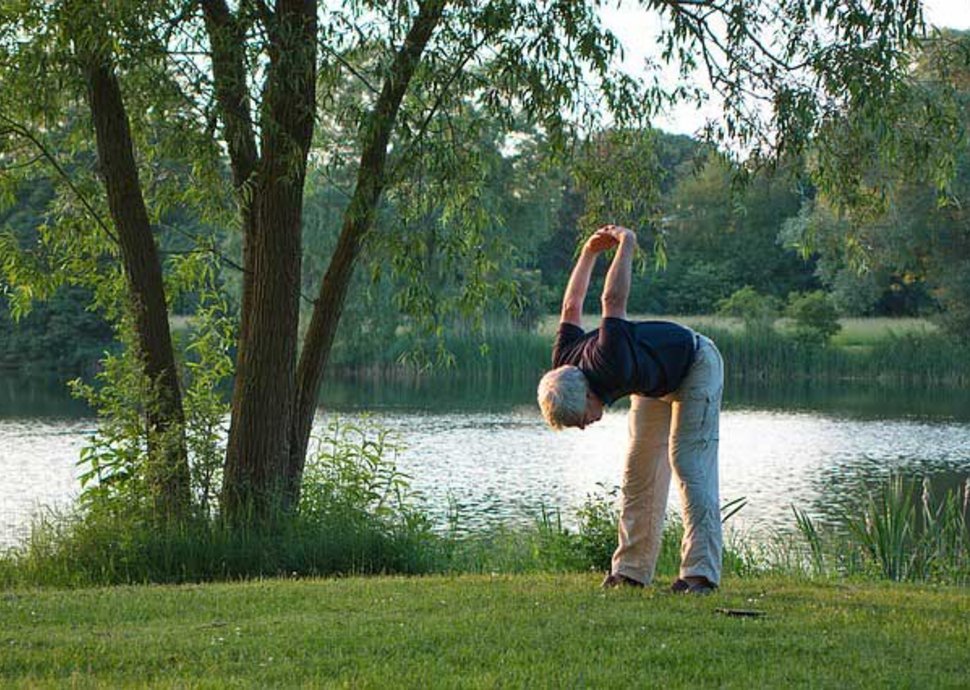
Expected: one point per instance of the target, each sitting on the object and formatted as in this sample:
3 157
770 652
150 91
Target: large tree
206 81
908 241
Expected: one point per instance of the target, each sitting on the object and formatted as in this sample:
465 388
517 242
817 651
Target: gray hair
562 396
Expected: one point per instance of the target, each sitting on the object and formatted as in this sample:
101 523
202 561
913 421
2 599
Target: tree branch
439 98
358 219
350 68
20 130
228 67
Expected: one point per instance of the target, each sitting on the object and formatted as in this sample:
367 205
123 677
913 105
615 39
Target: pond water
481 449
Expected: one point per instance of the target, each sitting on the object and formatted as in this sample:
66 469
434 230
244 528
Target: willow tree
212 84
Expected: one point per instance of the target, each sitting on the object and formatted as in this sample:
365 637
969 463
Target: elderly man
675 378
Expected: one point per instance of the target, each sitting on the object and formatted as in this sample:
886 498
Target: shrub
357 514
756 310
815 317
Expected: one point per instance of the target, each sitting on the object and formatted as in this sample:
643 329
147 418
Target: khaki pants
679 433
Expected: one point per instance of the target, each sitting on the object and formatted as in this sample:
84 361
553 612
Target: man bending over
675 378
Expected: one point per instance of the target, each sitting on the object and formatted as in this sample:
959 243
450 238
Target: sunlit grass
894 351
866 331
485 631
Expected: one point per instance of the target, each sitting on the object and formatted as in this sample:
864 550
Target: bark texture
168 470
271 193
274 400
358 219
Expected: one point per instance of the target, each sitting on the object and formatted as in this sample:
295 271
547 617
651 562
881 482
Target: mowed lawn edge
485 631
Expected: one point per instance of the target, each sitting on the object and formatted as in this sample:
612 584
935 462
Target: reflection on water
497 465
856 400
32 398
482 447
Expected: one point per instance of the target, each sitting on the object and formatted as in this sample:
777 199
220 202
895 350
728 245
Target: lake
481 449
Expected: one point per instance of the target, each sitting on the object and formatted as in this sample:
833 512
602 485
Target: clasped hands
606 237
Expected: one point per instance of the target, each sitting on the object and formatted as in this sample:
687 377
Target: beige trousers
676 433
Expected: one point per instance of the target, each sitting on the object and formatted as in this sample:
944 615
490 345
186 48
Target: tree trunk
264 392
168 469
358 219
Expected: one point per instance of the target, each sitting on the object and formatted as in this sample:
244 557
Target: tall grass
69 550
914 356
900 533
358 515
911 359
549 546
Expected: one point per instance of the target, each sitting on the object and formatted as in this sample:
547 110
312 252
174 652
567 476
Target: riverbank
891 352
485 631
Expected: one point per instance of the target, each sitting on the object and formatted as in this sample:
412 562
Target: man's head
566 400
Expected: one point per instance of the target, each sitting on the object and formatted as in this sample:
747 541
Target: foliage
757 311
61 336
815 317
353 478
690 286
910 235
114 474
712 218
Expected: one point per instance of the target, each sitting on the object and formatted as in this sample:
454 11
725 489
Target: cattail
966 497
927 510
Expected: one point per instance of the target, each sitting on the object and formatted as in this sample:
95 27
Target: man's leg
646 481
694 437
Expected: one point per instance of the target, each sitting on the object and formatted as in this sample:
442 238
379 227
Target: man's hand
599 241
618 233
607 237
616 287
604 238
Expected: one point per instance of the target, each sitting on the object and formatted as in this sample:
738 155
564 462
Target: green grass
484 632
868 331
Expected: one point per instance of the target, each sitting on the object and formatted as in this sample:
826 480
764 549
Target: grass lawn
481 631
866 331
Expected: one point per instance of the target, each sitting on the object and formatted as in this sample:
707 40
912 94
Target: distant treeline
59 337
771 235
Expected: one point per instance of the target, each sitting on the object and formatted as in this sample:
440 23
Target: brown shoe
613 580
704 586
680 586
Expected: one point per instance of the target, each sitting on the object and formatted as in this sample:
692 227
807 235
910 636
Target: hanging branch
20 130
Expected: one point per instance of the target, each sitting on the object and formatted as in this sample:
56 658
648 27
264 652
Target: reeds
923 358
899 532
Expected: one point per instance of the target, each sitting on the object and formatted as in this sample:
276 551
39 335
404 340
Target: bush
815 317
756 310
357 514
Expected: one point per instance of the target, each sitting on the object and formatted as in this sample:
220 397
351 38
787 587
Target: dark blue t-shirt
622 357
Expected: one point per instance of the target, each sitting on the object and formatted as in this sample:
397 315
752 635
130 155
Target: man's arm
575 295
616 289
